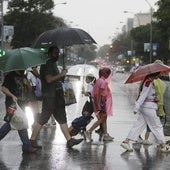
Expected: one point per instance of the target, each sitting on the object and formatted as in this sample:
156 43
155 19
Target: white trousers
147 116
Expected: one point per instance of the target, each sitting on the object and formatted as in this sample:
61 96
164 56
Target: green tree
141 35
30 18
163 23
163 16
103 51
87 52
120 45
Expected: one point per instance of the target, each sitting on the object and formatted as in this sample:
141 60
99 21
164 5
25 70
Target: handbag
69 94
19 120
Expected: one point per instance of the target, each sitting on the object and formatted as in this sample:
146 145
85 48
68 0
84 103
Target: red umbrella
143 71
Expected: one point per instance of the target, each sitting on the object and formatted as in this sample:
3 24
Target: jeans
23 134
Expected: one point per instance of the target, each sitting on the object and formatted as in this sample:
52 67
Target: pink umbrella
143 71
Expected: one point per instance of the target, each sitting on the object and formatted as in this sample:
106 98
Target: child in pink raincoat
102 103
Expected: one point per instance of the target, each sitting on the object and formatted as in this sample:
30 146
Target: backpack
38 88
81 122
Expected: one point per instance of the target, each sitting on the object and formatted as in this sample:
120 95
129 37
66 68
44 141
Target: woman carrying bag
14 86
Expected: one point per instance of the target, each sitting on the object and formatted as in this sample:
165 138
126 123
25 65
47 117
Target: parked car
120 69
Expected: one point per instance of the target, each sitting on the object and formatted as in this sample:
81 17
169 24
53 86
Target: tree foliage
142 33
88 52
163 27
30 18
163 16
103 50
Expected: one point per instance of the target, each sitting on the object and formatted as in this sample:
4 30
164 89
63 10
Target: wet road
96 155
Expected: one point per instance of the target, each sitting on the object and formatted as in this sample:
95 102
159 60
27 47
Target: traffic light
2 52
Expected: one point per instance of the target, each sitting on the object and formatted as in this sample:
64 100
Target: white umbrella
82 70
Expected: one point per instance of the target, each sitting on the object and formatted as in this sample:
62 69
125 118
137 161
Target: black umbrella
63 37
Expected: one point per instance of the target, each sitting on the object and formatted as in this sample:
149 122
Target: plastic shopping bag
19 120
69 94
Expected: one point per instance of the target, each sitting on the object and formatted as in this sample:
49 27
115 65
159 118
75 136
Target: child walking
79 124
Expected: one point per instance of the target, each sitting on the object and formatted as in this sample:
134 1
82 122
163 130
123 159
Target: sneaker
147 142
35 145
165 149
126 146
29 150
107 137
73 142
88 135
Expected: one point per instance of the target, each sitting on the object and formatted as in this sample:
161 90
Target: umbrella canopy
143 71
82 70
21 59
63 37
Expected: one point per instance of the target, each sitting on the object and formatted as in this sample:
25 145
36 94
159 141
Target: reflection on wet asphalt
95 155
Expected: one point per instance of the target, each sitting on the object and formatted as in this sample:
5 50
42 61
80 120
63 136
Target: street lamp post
150 52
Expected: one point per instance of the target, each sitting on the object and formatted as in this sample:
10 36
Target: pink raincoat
106 96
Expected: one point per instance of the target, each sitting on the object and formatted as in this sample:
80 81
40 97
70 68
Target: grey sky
100 18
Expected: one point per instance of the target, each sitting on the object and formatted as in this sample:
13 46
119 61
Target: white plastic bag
19 120
69 94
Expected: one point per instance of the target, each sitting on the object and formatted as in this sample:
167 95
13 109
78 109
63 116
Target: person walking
32 76
159 89
15 86
146 105
53 99
102 98
90 80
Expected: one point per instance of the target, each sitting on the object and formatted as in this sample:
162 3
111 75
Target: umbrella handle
63 59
